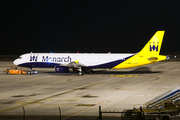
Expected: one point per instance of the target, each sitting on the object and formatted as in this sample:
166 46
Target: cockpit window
20 58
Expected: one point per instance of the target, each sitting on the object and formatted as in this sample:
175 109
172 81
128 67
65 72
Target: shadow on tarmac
140 70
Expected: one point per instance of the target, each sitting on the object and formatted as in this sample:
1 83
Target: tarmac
47 94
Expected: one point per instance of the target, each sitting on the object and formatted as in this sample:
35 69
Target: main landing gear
81 71
91 71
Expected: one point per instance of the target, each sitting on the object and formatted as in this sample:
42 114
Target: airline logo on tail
153 47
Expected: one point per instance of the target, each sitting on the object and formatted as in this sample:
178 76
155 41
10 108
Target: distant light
167 58
174 56
50 52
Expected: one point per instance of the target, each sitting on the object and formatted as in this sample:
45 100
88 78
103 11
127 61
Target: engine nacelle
61 69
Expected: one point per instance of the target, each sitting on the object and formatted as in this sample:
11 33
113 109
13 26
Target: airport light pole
23 112
59 113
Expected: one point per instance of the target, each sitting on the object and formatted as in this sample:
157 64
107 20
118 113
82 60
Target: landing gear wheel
28 72
165 118
91 72
8 73
81 73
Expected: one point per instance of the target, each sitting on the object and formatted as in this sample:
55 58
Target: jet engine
61 69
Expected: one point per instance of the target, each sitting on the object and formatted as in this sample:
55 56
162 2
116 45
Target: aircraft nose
15 62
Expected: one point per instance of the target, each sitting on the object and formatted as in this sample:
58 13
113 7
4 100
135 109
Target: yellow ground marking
86 105
145 95
72 99
125 89
37 101
82 110
58 105
124 75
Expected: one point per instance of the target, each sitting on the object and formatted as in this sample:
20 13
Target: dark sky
86 26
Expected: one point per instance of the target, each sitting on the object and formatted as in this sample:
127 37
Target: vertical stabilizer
154 45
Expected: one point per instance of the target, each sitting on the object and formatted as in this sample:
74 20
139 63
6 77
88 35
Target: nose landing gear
30 71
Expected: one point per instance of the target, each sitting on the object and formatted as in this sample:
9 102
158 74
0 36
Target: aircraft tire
81 73
165 117
28 72
91 72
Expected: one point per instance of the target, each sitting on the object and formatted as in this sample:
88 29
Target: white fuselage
87 60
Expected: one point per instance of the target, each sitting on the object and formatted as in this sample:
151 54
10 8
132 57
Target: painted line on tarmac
124 75
82 110
38 101
85 105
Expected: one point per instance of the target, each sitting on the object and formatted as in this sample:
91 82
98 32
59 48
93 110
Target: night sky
86 26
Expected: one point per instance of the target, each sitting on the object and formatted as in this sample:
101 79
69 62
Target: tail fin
154 45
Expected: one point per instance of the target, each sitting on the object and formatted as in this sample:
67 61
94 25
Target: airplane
80 62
